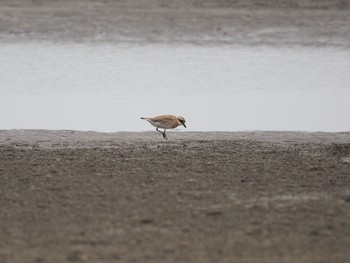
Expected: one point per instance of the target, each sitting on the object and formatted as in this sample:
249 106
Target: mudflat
69 196
320 23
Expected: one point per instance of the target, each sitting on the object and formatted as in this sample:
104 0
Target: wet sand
287 23
69 196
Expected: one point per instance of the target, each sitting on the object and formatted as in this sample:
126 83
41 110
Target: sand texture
321 23
69 196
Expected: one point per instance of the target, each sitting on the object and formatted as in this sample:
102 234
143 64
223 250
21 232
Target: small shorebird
166 122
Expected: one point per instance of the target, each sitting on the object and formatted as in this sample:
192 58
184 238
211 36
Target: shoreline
86 139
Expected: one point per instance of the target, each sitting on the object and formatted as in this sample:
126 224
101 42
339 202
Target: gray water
109 87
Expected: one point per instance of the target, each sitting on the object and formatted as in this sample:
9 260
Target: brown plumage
166 122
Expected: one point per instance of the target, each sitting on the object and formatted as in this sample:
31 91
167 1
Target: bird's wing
164 119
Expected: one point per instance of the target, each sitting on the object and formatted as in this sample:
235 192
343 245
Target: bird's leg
159 131
164 135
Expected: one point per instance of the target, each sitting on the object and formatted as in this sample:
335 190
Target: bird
166 122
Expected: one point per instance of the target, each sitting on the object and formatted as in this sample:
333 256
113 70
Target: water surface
109 87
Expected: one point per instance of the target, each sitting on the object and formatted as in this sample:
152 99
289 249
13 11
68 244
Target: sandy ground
242 22
69 196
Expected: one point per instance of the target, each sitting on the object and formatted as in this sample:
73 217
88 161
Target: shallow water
108 87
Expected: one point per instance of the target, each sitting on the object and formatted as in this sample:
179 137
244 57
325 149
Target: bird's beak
184 125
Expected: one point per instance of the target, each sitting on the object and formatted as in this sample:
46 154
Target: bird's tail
143 118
